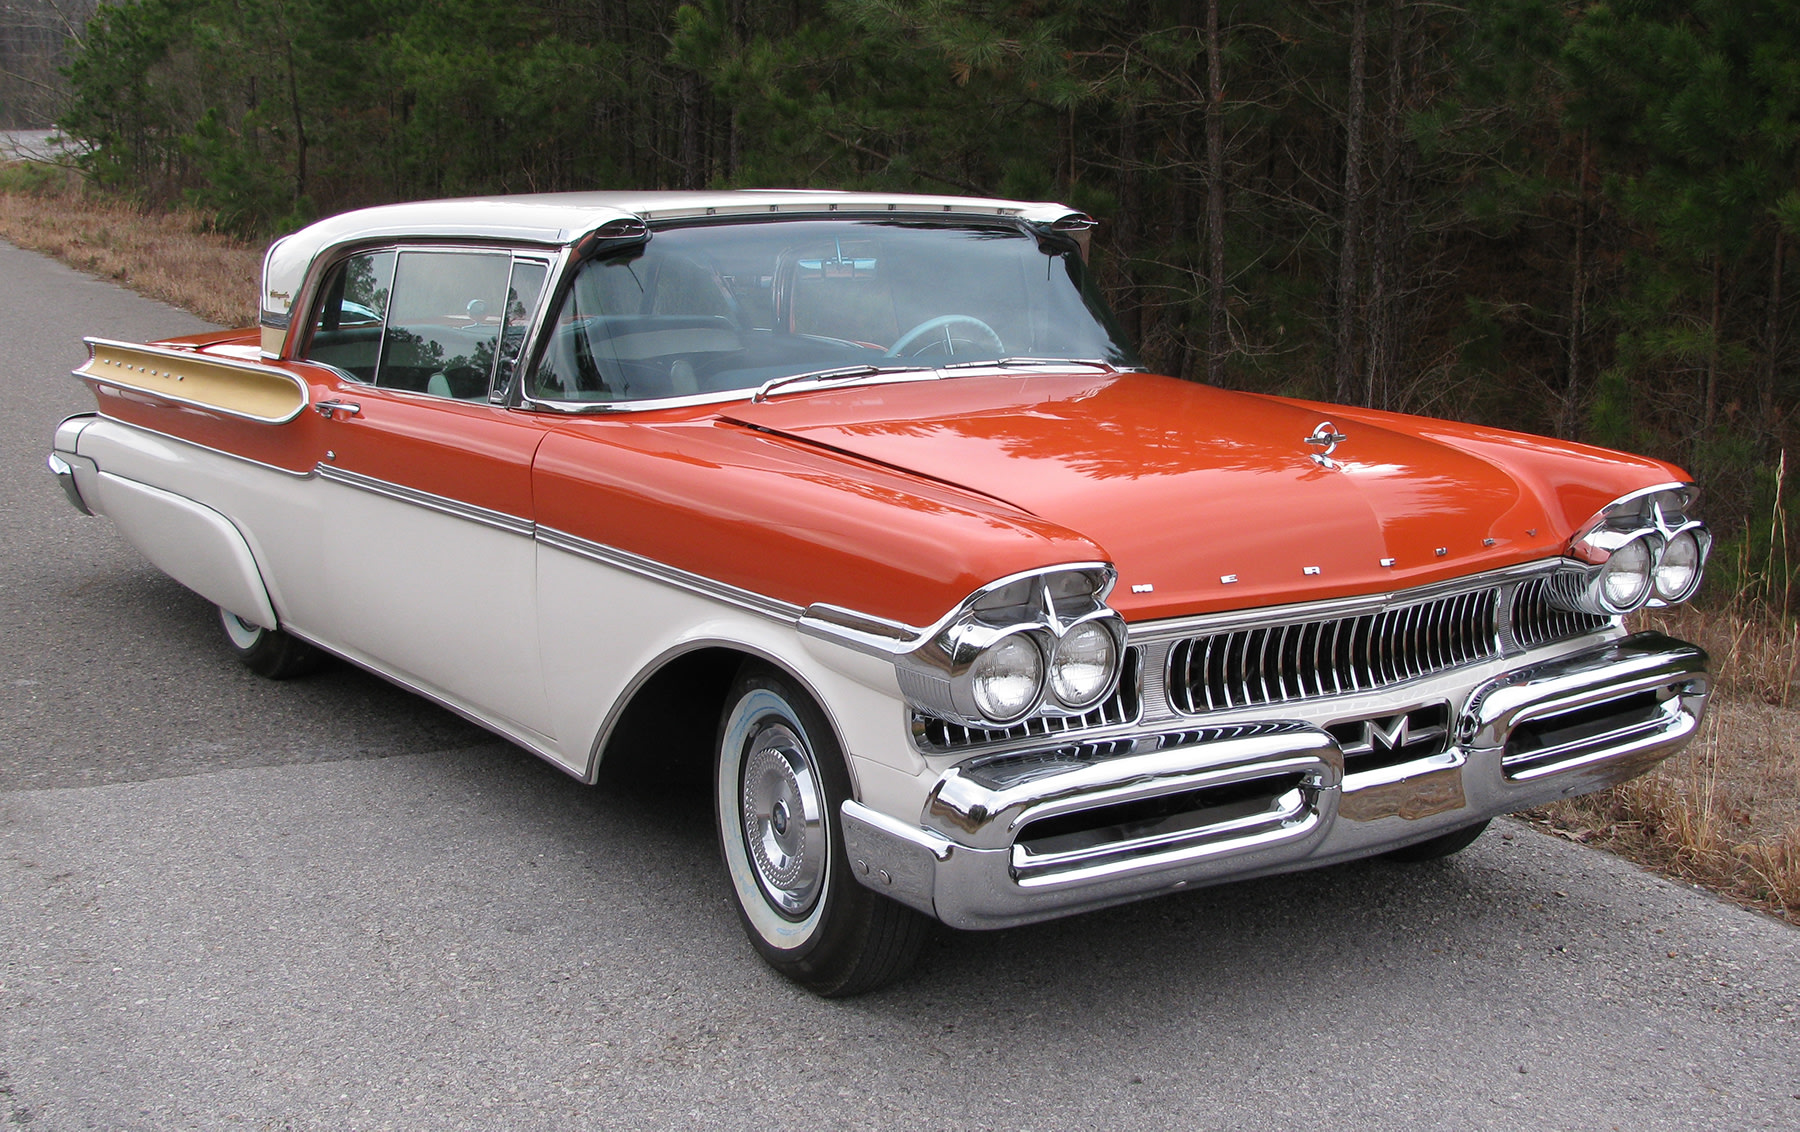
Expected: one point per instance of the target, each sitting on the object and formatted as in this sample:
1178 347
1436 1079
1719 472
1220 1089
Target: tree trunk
1343 354
1215 200
693 175
1710 412
1772 338
1130 224
1571 407
1381 348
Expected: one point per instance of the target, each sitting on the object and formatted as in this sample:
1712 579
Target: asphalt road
326 904
32 145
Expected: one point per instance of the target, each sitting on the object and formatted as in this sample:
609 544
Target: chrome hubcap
784 819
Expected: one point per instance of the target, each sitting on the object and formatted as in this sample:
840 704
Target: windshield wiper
1034 363
845 373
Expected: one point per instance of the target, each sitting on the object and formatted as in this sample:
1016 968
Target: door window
347 333
429 321
443 322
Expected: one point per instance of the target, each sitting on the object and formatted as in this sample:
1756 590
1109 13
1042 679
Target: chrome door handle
327 408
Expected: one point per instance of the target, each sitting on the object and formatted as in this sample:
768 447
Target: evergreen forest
1562 216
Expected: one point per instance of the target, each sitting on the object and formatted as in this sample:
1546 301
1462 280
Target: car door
427 526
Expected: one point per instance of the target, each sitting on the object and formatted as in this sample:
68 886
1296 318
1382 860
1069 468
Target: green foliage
1567 221
31 177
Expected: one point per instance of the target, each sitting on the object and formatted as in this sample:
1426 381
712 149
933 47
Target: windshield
723 307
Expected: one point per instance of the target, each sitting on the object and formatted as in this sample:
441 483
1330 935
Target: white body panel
444 601
605 628
274 510
536 643
195 545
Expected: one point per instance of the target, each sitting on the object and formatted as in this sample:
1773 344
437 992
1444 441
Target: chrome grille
1125 705
1278 663
1536 621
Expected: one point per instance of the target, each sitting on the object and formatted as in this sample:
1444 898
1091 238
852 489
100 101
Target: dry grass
1724 813
170 256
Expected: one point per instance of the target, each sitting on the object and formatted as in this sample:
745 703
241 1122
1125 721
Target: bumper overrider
1010 839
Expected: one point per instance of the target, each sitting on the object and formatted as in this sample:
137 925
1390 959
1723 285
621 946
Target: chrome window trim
773 608
443 505
299 335
554 263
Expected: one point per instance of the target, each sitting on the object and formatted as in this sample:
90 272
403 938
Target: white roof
555 219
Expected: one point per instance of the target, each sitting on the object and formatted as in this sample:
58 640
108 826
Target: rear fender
190 542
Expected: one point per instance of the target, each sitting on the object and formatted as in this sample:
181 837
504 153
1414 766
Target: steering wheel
943 334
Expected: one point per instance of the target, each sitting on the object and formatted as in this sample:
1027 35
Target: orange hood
1206 499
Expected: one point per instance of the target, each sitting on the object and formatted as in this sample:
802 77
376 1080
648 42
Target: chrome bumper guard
66 466
1010 839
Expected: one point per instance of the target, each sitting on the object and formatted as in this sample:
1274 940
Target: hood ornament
1327 437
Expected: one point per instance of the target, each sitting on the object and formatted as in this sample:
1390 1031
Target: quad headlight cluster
1644 549
1042 643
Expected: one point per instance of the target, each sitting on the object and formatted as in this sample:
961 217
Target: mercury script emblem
1327 437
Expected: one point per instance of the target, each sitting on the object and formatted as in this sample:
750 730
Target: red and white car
864 500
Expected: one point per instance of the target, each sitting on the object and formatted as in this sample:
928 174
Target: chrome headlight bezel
1044 607
1652 518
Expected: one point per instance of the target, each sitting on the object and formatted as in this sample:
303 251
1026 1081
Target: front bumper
1027 836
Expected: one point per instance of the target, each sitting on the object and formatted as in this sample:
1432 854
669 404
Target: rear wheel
780 781
269 652
1443 845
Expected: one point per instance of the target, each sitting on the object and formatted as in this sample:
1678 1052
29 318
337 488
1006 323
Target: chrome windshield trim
672 575
499 520
1153 632
843 375
726 396
1037 363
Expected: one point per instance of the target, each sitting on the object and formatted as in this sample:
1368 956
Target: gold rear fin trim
237 388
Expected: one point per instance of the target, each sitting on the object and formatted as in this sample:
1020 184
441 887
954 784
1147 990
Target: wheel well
666 733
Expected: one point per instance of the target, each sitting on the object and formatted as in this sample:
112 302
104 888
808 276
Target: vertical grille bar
1273 664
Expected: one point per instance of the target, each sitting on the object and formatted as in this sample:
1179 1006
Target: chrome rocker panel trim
965 862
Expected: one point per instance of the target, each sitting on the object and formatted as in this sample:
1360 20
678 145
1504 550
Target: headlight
1038 643
1082 670
1643 547
1007 679
1678 570
1625 578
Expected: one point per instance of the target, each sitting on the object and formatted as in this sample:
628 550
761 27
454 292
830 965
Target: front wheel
780 781
269 652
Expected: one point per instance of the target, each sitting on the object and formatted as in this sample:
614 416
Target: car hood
1207 499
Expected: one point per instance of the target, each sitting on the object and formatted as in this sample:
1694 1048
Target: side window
522 296
444 321
347 332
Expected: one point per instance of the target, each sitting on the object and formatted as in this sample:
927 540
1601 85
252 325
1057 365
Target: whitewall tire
269 652
780 780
